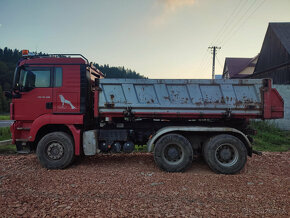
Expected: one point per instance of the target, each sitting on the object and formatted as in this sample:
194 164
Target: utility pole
213 48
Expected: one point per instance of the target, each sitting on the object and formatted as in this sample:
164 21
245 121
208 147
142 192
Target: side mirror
13 94
8 94
16 94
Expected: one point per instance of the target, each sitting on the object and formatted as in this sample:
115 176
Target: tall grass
5 133
269 137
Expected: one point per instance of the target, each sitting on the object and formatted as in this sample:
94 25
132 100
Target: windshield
27 79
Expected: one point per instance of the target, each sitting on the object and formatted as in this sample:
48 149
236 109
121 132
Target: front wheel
225 154
173 153
55 150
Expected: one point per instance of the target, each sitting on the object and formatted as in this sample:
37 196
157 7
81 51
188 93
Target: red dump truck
63 107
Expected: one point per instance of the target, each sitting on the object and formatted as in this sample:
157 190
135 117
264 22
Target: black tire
55 150
225 154
173 153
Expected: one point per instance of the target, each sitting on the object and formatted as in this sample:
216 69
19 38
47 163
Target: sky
156 38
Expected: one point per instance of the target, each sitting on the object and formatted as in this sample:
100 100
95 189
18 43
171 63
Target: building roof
236 65
282 31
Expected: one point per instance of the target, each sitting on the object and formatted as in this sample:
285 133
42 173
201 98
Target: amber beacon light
25 52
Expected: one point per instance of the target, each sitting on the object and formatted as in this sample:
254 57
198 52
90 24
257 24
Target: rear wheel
173 153
225 154
55 150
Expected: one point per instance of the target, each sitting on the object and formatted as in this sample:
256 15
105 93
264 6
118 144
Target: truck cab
51 92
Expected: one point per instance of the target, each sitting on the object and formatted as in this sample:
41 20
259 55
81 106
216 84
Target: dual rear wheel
223 153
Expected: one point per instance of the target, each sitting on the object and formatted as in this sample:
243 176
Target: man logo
64 101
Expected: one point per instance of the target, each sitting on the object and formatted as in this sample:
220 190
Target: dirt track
131 185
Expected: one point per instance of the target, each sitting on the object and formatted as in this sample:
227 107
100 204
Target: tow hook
257 152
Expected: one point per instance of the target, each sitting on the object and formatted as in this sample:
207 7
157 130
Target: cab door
66 91
34 93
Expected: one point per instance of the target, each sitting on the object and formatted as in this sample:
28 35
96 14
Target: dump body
184 98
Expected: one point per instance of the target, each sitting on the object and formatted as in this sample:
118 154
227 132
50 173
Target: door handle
48 105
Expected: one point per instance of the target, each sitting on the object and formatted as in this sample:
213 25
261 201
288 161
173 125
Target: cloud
169 7
0 25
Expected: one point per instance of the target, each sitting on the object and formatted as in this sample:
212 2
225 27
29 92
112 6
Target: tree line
8 61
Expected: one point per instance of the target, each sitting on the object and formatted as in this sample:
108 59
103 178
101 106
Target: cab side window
30 79
57 77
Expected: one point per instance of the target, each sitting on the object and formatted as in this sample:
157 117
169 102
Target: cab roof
52 60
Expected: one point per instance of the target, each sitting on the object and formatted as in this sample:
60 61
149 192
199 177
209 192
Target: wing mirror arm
10 94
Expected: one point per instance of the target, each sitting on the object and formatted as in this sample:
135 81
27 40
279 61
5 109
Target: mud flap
90 142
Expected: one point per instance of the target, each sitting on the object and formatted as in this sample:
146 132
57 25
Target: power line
235 21
206 67
206 64
219 62
222 31
203 60
243 21
236 24
225 26
231 24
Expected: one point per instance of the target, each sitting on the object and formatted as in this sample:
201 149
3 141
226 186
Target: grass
269 137
4 117
5 133
7 149
140 148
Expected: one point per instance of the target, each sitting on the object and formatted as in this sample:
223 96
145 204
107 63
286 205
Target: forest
8 61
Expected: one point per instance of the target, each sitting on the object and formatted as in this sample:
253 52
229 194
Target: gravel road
132 185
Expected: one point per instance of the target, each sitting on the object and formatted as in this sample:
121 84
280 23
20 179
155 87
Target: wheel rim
55 151
226 155
173 154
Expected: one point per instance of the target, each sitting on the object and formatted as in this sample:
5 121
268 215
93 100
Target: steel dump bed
188 98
